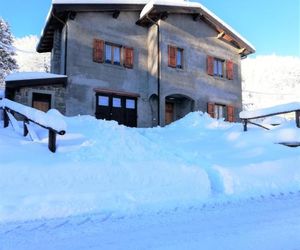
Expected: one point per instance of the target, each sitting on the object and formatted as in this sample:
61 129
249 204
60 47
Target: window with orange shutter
128 58
98 51
229 70
230 113
211 109
175 57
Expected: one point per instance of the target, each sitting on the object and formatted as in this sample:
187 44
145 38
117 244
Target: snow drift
101 167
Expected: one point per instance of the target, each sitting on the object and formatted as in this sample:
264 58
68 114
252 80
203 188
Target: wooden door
169 114
41 101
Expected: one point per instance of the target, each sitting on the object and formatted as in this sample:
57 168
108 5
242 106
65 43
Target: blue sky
272 26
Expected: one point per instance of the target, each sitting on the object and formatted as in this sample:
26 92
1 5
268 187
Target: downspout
66 40
158 68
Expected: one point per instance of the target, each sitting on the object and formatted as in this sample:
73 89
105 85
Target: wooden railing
52 132
247 120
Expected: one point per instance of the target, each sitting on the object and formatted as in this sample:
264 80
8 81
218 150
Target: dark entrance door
119 108
169 114
41 101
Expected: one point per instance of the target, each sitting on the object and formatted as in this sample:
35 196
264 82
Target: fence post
245 121
297 113
52 141
5 118
25 129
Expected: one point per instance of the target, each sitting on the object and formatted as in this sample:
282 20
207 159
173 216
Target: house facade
141 64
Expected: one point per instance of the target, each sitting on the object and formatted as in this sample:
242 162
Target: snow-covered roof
145 6
181 3
283 108
19 76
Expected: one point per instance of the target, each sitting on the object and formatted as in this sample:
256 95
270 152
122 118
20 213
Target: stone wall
58 94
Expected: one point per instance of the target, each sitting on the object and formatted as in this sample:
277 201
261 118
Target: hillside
270 80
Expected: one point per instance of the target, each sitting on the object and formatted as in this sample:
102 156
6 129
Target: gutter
158 68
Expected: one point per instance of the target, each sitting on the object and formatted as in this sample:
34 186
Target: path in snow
261 223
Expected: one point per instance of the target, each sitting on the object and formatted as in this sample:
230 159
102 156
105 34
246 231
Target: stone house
141 63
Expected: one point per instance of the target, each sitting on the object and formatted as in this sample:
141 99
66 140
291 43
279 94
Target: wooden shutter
229 70
230 113
172 56
211 109
210 65
128 58
98 51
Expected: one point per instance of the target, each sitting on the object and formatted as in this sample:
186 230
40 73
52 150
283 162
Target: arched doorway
177 106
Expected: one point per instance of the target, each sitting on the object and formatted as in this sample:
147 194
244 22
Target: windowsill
115 66
178 69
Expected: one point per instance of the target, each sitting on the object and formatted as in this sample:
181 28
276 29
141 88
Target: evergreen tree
7 61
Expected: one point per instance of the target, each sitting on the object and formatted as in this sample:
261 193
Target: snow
101 167
270 80
50 119
2 93
288 107
18 76
27 58
266 222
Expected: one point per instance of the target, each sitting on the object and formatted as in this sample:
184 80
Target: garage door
119 108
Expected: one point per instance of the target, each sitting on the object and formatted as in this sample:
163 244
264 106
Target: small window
103 100
113 54
130 104
175 57
117 102
218 67
179 58
220 111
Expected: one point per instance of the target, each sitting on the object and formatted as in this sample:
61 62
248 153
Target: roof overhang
155 9
24 81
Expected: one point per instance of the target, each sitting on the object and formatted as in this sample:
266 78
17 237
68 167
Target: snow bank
288 107
50 119
101 167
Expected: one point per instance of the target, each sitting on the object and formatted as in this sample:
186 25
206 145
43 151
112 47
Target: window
220 111
130 104
113 54
116 102
103 100
175 57
218 67
179 58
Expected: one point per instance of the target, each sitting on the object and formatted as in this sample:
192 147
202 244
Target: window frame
179 51
173 62
217 107
216 63
112 53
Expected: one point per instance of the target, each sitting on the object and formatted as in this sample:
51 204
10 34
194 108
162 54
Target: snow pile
270 80
49 119
288 107
101 167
